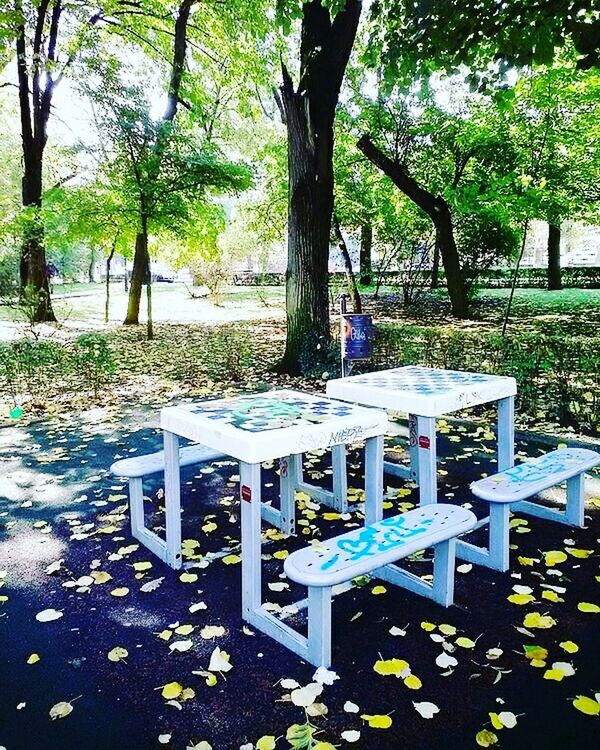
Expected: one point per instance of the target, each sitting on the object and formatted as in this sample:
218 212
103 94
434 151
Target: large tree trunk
438 211
366 247
554 274
350 280
36 87
308 112
138 277
35 288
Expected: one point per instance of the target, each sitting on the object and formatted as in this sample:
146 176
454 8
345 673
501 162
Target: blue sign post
355 337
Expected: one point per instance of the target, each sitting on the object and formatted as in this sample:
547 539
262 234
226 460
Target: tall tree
141 259
308 110
555 112
38 73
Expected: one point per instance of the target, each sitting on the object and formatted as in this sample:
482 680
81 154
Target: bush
40 371
576 277
94 361
9 275
558 377
228 354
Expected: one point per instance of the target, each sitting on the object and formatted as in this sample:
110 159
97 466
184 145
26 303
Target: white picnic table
282 424
425 394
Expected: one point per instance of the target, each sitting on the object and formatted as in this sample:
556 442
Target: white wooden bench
510 490
138 467
373 549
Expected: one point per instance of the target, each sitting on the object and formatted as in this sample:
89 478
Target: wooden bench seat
372 550
510 489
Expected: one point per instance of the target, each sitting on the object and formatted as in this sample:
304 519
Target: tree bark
554 273
108 262
435 266
138 276
350 280
366 247
438 211
309 112
141 260
91 265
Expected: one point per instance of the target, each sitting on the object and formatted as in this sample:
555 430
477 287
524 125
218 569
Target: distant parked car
163 276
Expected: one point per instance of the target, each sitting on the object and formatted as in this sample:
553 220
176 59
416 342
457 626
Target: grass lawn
83 306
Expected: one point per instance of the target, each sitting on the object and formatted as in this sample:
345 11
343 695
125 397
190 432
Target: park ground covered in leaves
103 646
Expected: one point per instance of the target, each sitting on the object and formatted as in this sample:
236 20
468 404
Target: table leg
288 477
172 499
506 433
250 491
340 478
426 453
374 479
413 447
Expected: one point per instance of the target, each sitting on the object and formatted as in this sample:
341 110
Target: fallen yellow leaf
172 690
587 705
377 721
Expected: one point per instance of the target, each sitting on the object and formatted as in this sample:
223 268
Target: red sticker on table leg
246 493
424 441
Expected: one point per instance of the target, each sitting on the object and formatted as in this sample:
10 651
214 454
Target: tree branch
398 175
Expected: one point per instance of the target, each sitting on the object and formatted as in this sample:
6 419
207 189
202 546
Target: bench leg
136 505
319 626
499 536
443 572
575 501
496 555
148 538
340 478
374 479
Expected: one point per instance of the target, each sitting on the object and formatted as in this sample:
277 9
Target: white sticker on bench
531 477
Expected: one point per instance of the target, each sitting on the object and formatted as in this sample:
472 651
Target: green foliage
320 358
553 122
94 361
9 274
41 371
223 354
31 370
420 36
558 375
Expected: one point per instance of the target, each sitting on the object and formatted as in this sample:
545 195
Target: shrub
558 376
227 354
94 361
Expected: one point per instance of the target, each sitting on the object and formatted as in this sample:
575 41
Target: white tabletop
272 425
424 391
